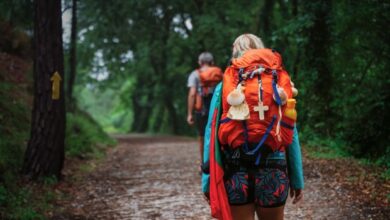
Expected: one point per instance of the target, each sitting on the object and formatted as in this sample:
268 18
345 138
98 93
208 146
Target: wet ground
157 178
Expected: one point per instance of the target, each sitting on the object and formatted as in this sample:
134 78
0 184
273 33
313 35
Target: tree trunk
141 115
317 61
72 55
45 151
172 115
295 8
156 127
298 53
266 17
142 124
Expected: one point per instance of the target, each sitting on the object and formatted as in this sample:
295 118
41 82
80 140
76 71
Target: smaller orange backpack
209 78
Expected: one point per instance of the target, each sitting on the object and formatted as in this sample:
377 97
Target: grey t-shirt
193 79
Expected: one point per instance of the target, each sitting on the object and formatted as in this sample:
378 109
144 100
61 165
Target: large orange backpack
275 130
209 78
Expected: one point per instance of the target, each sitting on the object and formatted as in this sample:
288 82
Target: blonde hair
246 42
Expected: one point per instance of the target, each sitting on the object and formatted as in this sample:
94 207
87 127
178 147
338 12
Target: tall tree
266 17
317 52
45 151
72 55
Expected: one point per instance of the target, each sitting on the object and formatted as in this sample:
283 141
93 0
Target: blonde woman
256 136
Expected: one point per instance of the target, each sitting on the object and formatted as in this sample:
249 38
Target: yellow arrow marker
55 89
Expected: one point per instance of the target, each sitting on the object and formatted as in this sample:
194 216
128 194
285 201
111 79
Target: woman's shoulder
229 74
229 71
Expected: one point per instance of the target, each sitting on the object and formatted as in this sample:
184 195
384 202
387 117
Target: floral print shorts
267 186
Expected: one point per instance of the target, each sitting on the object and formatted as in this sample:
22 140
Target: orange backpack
257 67
209 78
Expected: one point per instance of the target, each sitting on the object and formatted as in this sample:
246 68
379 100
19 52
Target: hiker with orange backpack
251 142
201 84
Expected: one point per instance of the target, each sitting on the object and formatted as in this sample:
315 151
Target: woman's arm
295 162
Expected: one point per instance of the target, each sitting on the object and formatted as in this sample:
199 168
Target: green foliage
16 12
19 202
336 52
320 147
3 195
110 110
14 130
132 67
49 180
134 58
361 98
84 137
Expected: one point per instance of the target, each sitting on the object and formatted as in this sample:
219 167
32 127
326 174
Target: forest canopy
134 57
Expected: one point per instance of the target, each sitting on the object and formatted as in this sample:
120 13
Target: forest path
156 178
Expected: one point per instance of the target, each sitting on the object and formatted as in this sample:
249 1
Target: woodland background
127 62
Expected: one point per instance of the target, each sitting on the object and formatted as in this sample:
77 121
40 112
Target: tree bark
295 8
298 53
317 60
45 151
266 17
141 115
156 127
172 115
72 55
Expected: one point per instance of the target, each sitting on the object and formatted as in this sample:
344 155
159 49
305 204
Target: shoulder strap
274 84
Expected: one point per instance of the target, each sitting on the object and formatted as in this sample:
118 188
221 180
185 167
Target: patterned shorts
266 186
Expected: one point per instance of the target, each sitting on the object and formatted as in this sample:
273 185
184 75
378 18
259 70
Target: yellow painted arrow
55 89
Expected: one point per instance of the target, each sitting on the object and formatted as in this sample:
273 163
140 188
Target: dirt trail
156 178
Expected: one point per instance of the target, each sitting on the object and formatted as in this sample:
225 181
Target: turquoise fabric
207 135
294 157
294 162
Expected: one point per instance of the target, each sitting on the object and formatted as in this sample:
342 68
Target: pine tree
45 151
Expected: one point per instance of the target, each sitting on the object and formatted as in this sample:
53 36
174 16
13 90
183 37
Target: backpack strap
199 85
225 120
274 84
267 132
240 79
274 118
246 147
278 101
270 126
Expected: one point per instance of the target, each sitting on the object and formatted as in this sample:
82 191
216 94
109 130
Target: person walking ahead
201 84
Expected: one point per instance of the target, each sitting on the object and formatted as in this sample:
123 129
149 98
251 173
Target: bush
84 137
17 204
323 147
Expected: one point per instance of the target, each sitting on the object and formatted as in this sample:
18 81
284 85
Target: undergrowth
333 147
25 201
84 137
15 199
